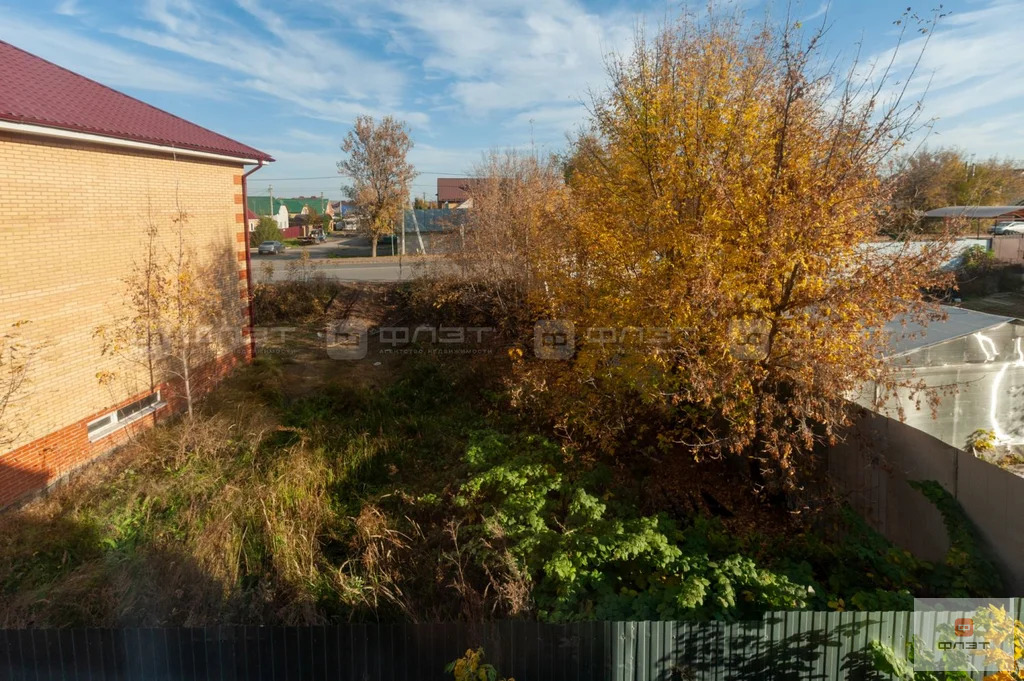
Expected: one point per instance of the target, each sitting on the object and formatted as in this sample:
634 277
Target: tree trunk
187 380
373 241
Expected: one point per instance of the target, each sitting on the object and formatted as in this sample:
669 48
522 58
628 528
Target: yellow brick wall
72 222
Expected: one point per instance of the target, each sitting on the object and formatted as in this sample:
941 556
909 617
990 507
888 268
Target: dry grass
210 520
272 506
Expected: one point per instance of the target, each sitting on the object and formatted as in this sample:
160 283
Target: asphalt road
337 246
356 270
344 257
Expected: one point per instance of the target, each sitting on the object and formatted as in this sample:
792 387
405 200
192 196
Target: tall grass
263 509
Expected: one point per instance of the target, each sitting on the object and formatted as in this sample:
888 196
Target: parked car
1008 227
271 248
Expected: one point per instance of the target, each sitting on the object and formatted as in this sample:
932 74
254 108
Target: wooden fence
789 645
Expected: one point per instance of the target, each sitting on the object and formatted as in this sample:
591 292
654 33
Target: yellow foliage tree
380 172
515 196
715 255
173 313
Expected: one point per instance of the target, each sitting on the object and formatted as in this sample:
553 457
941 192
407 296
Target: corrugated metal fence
793 645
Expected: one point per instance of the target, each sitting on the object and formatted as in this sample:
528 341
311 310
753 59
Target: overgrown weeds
416 498
303 300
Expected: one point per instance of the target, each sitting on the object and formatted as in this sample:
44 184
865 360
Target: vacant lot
406 486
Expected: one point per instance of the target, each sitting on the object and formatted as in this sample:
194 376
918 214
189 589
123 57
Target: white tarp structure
975 362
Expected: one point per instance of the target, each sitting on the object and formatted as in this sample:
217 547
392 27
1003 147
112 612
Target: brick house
126 165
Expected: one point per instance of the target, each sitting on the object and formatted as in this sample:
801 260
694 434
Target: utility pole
270 190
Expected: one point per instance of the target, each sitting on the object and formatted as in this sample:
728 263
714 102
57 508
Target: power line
339 175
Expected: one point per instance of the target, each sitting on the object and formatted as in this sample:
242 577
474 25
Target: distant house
341 209
252 220
61 132
266 205
452 192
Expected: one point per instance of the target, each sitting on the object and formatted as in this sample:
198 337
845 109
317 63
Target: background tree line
933 178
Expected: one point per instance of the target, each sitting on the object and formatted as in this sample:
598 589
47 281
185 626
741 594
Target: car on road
1008 227
271 248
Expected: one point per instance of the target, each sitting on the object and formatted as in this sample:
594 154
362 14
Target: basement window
116 420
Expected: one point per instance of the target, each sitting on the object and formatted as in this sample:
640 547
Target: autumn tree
714 256
380 172
171 314
134 335
515 197
934 178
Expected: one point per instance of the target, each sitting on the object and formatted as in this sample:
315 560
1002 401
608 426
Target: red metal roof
38 92
453 188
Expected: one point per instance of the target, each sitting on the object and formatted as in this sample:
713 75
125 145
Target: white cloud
553 119
97 60
306 68
68 8
306 136
431 161
510 56
823 8
976 78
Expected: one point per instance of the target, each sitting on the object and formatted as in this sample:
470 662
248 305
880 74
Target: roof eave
74 135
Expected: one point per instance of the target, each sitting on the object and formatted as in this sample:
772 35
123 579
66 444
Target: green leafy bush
966 570
592 556
266 230
471 667
978 259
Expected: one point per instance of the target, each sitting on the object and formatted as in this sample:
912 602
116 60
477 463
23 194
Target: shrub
977 259
266 230
982 441
471 667
591 555
289 302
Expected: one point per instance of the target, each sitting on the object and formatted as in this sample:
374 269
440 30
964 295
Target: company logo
347 340
554 339
963 634
963 626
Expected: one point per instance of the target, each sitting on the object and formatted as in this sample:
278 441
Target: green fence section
785 645
782 646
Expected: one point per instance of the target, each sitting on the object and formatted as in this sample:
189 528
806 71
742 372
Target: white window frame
116 425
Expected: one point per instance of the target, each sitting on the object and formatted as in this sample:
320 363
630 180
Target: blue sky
289 78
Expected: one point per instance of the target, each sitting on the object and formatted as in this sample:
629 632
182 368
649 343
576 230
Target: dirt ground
304 350
1007 304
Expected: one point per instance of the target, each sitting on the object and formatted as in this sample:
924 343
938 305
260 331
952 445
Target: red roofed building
64 277
454 191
